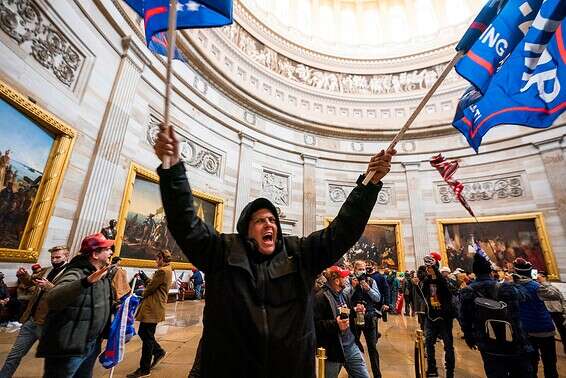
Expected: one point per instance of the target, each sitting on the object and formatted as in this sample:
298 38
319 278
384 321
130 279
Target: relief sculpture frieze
395 83
338 194
275 186
485 190
28 25
192 153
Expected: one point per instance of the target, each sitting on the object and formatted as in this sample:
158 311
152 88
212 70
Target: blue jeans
198 291
73 367
354 364
443 329
29 334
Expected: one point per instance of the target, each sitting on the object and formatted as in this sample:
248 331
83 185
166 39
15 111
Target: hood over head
246 216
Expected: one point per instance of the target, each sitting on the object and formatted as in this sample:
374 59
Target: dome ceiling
366 29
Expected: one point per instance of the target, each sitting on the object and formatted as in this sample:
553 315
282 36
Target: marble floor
180 333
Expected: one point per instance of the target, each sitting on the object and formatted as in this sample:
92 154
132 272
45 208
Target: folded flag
191 14
480 23
528 89
497 41
121 331
447 170
159 45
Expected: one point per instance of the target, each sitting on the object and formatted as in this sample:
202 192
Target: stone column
243 186
416 206
309 194
552 155
106 157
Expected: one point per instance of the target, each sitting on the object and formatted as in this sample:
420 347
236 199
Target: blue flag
497 42
530 88
480 23
191 14
159 45
121 331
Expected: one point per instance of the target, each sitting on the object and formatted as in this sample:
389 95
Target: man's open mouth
267 238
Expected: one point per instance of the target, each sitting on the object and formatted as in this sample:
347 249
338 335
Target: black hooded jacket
258 316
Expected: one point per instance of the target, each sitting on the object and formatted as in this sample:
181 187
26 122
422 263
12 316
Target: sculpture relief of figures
331 81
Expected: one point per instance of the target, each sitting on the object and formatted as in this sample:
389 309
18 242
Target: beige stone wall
249 146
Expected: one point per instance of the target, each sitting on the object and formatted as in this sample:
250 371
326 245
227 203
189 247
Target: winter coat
327 330
473 329
37 305
383 288
419 302
258 315
78 311
447 309
535 317
152 308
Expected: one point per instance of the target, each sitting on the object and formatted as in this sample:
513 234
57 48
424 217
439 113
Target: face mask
58 265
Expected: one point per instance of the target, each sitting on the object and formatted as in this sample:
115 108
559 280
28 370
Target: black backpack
499 336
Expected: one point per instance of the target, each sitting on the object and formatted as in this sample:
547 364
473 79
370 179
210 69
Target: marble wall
117 99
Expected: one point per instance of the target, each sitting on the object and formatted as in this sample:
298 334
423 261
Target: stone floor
180 333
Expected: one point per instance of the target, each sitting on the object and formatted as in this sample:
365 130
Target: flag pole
420 107
131 293
171 33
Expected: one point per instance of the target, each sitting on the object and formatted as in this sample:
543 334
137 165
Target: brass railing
420 362
321 362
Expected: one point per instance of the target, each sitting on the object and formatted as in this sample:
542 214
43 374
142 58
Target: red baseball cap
95 241
342 273
435 255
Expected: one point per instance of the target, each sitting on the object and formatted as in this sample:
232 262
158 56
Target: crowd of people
266 295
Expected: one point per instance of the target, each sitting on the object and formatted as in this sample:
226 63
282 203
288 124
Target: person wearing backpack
536 319
440 314
505 350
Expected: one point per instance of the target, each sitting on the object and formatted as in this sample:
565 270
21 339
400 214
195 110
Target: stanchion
420 362
321 360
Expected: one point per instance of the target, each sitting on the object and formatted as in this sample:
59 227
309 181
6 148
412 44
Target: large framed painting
381 242
503 238
142 225
35 148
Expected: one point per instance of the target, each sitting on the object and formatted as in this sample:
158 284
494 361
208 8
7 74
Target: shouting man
259 282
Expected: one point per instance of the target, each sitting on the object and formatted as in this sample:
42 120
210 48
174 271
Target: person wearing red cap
34 316
332 316
79 306
259 282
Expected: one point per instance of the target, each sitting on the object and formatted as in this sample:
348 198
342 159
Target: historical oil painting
503 238
142 228
381 242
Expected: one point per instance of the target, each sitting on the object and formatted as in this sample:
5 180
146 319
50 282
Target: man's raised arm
199 241
326 246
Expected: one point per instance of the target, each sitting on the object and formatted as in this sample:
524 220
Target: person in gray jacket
79 305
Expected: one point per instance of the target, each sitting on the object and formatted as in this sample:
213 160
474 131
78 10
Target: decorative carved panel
485 190
192 153
338 194
345 83
25 22
275 186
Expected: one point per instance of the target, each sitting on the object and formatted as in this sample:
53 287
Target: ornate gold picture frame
34 152
502 237
382 242
142 226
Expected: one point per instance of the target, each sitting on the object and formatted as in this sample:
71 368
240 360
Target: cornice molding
293 50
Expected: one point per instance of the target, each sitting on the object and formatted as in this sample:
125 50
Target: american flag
447 169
